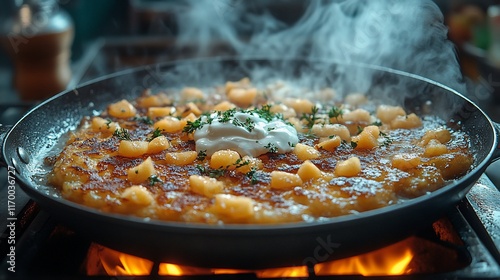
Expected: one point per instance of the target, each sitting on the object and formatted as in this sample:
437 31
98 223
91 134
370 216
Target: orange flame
105 261
167 269
391 260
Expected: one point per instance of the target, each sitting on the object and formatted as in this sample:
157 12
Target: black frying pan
245 246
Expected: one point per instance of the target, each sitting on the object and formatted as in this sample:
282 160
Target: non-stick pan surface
244 246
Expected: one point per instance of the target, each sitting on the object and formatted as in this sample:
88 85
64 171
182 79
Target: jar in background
494 26
38 36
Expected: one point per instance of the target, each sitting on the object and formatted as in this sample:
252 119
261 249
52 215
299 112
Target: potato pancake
242 154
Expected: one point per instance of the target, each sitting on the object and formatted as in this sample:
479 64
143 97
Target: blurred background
48 46
51 45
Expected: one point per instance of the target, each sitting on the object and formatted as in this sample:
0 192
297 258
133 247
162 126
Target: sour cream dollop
246 133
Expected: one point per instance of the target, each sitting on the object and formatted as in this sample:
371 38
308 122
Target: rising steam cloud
407 35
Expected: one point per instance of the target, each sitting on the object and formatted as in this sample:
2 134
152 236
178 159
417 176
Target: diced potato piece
137 195
132 149
298 125
183 122
373 130
284 110
224 106
158 144
443 135
157 100
305 152
308 171
141 172
326 94
191 93
367 139
301 106
284 180
235 207
358 115
254 163
122 109
435 148
329 144
405 161
190 108
387 113
325 130
159 112
181 158
243 83
224 159
407 122
147 101
103 125
205 186
169 125
356 99
242 97
348 168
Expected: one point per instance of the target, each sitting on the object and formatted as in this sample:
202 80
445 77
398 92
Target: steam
407 35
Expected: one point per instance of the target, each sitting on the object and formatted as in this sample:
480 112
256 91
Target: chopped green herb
156 133
122 134
153 179
239 163
271 148
377 123
291 144
249 124
201 168
216 173
226 116
265 113
202 155
193 126
252 175
310 118
145 119
335 112
387 140
108 122
212 173
354 144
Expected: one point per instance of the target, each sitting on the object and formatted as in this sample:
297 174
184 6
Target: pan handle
496 153
3 132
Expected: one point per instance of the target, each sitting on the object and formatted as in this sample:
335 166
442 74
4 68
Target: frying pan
40 131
